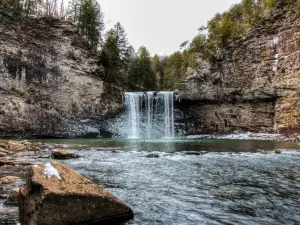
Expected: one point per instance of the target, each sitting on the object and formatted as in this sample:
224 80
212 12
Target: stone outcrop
50 85
253 86
63 154
55 189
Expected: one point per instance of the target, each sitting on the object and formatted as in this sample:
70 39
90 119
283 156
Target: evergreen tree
124 48
109 56
91 22
116 55
141 74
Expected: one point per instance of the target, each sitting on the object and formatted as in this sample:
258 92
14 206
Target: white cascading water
149 114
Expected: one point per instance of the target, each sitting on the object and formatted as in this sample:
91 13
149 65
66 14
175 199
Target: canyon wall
253 86
49 81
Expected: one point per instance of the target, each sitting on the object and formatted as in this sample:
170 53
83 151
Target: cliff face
254 85
48 87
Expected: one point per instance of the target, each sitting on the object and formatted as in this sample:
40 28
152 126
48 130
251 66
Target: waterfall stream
149 114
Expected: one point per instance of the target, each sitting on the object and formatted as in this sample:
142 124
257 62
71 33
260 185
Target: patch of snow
50 171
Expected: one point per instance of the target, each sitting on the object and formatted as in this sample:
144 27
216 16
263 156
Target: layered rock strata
50 85
253 86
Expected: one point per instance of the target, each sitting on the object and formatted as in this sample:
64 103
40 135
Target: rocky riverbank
17 157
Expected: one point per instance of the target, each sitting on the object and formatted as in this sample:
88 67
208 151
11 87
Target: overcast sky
161 25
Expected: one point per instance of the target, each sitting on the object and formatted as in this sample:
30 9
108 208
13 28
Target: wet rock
56 194
152 156
194 153
9 179
12 198
17 145
278 151
11 162
43 156
63 154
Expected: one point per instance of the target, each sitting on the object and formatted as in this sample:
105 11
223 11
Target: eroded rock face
254 85
64 197
48 82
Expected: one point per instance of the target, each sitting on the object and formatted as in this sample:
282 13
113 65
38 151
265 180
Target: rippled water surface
196 181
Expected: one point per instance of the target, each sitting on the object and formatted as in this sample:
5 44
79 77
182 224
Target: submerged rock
195 153
63 154
152 156
56 194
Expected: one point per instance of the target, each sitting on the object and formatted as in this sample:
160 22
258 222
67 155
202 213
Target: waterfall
149 114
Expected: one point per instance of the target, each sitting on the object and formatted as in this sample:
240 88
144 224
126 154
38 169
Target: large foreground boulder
56 194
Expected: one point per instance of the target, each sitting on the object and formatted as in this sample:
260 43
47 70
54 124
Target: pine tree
91 22
109 56
117 54
141 74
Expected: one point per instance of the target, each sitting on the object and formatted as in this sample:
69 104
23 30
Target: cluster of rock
53 189
253 86
13 165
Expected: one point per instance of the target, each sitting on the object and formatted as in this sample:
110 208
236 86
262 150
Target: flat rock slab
56 194
12 162
63 154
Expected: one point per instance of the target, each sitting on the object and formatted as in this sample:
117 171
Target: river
185 181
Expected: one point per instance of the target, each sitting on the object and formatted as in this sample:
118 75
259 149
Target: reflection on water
174 145
232 182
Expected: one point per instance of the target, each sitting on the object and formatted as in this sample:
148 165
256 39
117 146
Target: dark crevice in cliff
188 102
